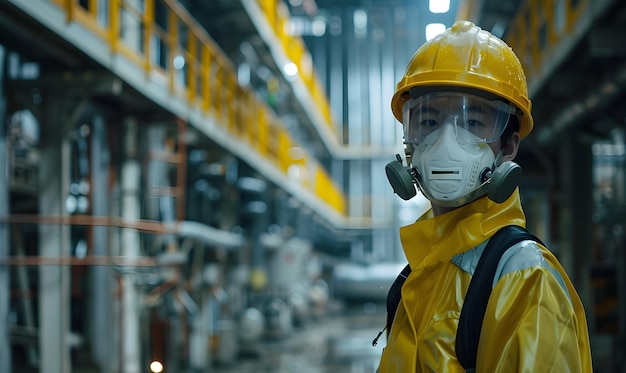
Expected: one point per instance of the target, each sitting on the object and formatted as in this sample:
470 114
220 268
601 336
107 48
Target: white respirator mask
447 137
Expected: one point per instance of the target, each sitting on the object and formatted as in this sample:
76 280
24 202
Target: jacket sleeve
534 322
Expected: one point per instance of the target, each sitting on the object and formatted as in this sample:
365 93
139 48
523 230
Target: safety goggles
474 118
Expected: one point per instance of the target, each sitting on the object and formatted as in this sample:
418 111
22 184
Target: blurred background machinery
184 182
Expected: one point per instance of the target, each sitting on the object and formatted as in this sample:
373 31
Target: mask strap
498 159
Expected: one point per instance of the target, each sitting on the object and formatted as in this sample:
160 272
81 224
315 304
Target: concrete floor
340 342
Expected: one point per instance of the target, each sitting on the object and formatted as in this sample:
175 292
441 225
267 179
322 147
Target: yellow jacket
534 322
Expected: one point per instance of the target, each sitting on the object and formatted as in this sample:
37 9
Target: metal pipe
5 349
181 175
595 101
117 261
195 230
54 241
101 335
26 302
150 226
131 211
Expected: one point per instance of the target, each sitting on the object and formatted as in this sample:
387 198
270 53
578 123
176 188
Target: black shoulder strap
394 295
393 300
475 303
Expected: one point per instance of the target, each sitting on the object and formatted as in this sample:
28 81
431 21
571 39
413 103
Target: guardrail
542 31
160 37
277 16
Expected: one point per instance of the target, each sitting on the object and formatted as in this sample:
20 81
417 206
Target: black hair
511 127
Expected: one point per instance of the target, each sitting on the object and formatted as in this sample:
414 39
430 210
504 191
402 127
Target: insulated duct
596 100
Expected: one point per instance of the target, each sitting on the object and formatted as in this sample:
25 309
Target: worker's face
455 141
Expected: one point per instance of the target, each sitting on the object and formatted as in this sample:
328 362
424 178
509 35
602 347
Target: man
464 107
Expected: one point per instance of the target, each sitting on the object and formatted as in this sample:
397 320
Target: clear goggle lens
474 118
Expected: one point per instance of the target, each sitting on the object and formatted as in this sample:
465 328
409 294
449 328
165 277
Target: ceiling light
179 62
434 29
439 6
290 69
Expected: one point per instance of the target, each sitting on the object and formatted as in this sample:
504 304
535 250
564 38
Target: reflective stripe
522 255
468 260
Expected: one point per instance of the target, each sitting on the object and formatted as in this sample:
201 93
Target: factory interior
195 185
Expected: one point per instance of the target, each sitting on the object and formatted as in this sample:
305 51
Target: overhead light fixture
296 153
179 62
360 22
318 26
434 29
156 367
290 69
243 74
439 6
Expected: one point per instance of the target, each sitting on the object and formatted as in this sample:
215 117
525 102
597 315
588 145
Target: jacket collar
436 239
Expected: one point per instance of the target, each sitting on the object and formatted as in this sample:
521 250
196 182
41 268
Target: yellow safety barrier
277 16
539 27
161 38
324 189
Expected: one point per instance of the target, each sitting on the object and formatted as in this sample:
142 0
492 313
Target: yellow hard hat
465 57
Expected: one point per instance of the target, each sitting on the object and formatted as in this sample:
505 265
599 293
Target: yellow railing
277 16
160 37
539 27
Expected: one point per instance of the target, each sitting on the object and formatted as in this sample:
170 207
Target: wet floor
341 341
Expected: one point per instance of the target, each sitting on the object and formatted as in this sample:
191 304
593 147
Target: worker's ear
510 145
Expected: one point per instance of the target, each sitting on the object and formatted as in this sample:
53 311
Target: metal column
54 240
576 215
5 348
131 212
101 337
